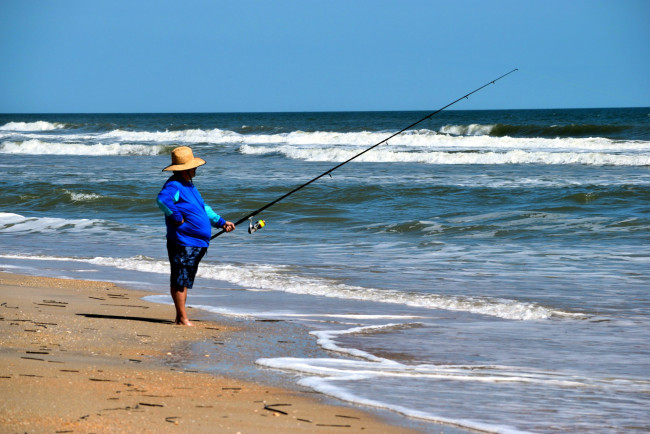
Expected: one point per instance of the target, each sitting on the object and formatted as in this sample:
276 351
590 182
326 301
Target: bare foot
184 322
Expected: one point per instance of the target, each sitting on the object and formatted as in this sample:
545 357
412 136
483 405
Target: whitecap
39 147
32 126
338 154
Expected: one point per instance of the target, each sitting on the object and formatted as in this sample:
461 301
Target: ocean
488 269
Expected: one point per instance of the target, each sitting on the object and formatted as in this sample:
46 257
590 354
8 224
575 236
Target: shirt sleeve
215 219
167 199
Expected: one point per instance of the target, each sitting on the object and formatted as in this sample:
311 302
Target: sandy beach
85 356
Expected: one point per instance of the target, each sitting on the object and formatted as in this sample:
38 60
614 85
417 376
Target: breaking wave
39 147
531 131
32 126
584 130
468 130
457 157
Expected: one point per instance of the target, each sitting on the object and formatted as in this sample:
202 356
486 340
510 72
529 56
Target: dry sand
83 356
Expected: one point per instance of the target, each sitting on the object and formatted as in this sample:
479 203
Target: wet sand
84 356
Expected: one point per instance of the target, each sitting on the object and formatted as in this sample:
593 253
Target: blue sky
239 56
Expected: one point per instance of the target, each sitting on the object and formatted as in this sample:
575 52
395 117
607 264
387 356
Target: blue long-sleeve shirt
181 201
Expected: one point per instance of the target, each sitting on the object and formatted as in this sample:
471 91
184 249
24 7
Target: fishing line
270 204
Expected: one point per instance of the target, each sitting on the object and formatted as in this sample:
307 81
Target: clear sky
301 55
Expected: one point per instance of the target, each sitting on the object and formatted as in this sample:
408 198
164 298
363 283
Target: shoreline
90 356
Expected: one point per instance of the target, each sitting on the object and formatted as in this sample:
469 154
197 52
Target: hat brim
196 162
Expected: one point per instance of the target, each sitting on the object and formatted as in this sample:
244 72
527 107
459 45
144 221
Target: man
189 221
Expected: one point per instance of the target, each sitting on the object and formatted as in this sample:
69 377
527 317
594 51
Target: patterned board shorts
184 262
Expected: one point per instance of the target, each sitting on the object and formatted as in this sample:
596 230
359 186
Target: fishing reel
253 227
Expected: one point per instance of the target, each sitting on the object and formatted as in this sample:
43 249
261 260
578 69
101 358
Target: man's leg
179 295
184 263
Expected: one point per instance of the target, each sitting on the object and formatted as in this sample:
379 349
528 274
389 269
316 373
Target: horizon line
305 111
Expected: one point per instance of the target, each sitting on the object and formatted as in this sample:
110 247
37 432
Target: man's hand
228 227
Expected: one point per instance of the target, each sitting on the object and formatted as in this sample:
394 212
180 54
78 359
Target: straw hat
183 159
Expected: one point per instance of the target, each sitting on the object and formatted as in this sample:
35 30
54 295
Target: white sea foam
329 387
468 145
336 377
32 126
10 222
346 316
326 339
7 218
276 278
83 197
183 136
264 312
430 140
427 147
137 263
439 157
38 147
344 378
467 130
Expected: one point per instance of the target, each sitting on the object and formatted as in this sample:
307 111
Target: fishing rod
260 224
